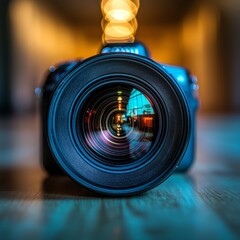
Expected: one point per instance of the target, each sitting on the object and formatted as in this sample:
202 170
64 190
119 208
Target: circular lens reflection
118 123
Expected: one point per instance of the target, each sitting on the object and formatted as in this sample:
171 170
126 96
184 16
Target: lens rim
61 140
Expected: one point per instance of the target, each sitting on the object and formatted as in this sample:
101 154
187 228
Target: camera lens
118 124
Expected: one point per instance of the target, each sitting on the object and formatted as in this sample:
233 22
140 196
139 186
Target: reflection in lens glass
118 124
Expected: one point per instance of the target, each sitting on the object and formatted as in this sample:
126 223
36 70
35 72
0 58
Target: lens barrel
118 124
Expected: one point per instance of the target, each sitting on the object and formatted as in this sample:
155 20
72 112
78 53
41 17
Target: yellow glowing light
119 15
123 30
120 99
119 20
119 10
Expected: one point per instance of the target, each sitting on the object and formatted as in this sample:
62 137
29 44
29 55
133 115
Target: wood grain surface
202 204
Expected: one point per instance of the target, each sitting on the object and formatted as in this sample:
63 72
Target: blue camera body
189 85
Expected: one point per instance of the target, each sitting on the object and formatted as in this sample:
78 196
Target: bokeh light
119 20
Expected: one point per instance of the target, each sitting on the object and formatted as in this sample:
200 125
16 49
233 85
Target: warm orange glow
118 31
119 15
119 20
148 121
119 10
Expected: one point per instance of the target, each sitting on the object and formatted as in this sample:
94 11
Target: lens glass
118 124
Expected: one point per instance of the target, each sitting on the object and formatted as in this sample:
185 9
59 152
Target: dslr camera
118 123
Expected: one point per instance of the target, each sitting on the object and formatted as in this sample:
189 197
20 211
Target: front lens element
118 124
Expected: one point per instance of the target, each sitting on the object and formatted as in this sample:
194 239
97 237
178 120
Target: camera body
181 77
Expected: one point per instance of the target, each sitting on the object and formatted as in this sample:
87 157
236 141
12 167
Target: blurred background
202 35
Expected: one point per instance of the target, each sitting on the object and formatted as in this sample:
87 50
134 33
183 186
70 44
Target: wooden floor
203 204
